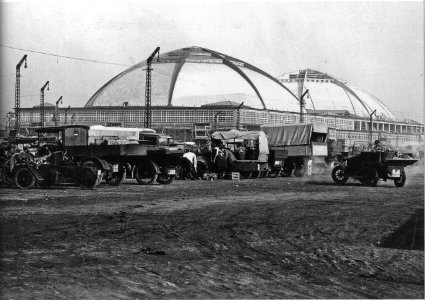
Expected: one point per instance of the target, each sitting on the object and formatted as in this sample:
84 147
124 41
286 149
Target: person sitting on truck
378 146
42 152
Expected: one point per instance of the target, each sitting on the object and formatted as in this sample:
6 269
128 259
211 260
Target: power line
64 56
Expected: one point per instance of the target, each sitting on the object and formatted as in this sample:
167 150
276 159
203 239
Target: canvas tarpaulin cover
289 135
245 135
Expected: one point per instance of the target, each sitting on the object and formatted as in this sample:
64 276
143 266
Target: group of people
221 160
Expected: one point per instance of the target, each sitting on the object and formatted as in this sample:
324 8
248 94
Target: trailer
301 146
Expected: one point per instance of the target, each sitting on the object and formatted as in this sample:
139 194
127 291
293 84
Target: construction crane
18 92
57 110
42 104
148 112
302 106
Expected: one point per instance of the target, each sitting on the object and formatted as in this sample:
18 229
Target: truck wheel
245 175
89 178
165 178
24 179
145 173
255 175
116 178
399 182
339 175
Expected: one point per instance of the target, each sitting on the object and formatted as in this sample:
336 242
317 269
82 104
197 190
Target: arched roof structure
329 93
195 76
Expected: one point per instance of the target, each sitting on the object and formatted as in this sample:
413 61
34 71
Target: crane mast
148 111
57 111
42 104
18 92
302 106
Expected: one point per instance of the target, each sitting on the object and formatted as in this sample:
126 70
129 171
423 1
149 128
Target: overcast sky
378 46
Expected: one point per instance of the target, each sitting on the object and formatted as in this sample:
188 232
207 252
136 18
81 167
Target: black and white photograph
212 149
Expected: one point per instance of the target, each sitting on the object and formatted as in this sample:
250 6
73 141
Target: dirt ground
263 238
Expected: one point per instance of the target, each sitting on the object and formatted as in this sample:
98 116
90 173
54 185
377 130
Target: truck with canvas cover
250 150
304 145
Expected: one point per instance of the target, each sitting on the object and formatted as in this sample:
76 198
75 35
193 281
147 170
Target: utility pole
148 112
42 104
238 120
57 110
216 120
18 92
66 114
302 105
72 119
370 126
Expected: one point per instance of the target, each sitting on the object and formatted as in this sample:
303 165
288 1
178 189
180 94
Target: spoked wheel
88 178
146 173
92 164
165 178
116 178
399 182
339 175
24 179
245 175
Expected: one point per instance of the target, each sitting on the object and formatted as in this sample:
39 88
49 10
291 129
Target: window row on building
223 116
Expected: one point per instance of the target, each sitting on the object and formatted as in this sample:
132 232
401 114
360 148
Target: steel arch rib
175 75
345 87
100 91
311 99
352 105
252 68
229 64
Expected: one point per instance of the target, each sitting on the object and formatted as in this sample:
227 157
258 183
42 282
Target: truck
132 152
297 147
